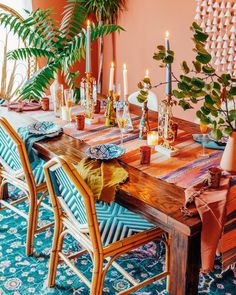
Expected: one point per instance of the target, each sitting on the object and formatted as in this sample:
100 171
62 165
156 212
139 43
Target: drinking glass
69 100
121 117
204 131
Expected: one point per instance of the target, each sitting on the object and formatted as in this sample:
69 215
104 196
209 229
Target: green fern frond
73 18
35 87
25 53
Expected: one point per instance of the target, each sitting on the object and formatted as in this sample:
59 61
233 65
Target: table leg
184 264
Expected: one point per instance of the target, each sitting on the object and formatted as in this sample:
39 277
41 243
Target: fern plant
62 44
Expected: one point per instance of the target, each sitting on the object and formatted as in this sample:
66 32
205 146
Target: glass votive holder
213 177
80 121
145 155
152 138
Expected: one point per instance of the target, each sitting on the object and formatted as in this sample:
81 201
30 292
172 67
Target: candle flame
167 34
112 64
124 66
147 72
88 23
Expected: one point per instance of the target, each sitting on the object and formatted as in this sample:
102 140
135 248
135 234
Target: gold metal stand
165 128
88 97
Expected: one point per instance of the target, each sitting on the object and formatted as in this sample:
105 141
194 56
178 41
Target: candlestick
111 78
168 68
88 44
125 79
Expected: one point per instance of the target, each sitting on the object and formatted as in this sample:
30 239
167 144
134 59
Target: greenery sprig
201 83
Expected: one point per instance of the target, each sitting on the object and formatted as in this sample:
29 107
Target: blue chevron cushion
117 222
37 169
9 156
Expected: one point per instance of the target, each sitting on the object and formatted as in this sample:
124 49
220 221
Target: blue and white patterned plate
105 151
43 128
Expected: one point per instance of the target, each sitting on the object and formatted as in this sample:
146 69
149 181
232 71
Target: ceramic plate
43 128
222 141
105 151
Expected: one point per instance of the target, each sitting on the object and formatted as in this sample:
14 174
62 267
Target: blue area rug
22 275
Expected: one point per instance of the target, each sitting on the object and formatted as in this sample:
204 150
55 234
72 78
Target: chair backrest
13 74
69 193
152 100
13 154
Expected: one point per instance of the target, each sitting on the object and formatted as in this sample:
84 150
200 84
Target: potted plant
105 12
200 83
60 44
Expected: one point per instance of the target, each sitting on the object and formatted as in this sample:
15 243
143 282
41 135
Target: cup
145 155
80 120
97 107
45 103
213 177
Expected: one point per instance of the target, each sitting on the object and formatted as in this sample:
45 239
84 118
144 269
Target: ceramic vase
228 160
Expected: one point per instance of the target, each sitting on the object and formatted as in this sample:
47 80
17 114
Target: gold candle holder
110 114
166 130
88 97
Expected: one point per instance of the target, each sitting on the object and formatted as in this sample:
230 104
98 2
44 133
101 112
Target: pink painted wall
58 7
145 22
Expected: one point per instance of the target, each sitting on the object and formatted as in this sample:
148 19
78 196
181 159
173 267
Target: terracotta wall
57 7
145 22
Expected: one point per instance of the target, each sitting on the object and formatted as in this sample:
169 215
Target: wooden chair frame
90 239
24 180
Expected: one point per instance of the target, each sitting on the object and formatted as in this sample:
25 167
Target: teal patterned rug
22 275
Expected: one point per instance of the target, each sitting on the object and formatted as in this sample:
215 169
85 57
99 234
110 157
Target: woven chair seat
117 223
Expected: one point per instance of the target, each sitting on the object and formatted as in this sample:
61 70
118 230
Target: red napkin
210 204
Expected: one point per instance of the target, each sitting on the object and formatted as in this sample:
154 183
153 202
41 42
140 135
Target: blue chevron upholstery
8 152
64 188
37 169
115 221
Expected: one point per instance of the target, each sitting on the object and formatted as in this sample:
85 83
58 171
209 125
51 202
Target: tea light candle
152 138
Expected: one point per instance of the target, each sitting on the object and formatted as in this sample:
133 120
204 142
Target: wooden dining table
155 200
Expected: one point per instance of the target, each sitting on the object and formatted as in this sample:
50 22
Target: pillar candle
111 78
168 69
88 45
125 79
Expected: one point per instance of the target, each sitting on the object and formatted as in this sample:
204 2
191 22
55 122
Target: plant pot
228 160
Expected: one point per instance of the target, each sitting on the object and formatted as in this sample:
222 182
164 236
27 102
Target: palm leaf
25 53
73 18
35 87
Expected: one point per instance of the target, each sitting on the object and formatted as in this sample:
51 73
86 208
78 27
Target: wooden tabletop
155 199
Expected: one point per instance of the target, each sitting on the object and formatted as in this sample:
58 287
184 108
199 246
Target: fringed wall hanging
218 19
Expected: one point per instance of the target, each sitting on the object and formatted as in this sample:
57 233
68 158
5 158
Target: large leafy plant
61 44
200 83
106 11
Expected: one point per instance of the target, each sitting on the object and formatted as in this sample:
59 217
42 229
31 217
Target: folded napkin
210 204
30 138
103 177
209 144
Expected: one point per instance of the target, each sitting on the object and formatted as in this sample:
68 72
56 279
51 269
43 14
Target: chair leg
54 257
97 284
32 223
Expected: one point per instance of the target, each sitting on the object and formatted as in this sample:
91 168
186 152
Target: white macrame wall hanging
218 19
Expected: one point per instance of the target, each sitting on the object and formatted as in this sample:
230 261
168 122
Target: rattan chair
16 169
104 231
